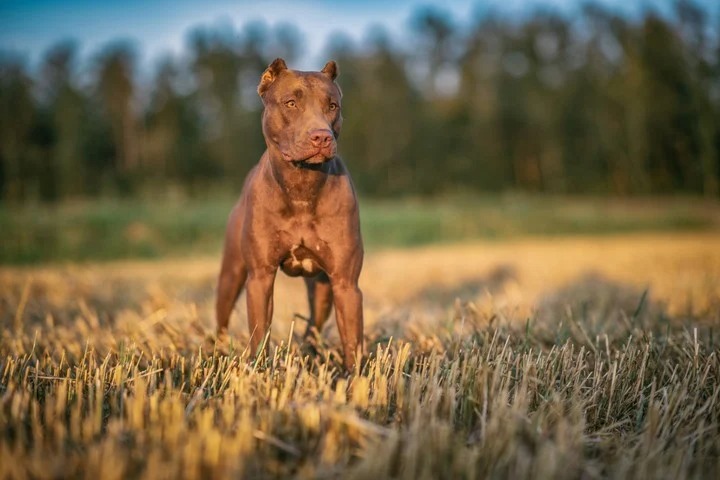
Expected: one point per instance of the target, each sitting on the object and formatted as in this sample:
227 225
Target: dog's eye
290 104
333 106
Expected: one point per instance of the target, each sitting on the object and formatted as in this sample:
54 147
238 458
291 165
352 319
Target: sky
157 27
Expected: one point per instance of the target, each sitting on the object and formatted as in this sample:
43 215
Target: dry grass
556 358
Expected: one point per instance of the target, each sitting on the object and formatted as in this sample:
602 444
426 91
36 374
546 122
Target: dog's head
302 117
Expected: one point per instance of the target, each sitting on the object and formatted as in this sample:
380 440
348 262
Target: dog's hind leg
320 298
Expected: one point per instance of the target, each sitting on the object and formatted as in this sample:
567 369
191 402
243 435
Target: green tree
172 141
65 107
704 67
17 117
217 65
115 86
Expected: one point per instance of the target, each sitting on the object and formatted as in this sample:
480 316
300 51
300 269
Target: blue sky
160 26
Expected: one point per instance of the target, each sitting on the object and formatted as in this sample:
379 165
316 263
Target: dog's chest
302 261
303 242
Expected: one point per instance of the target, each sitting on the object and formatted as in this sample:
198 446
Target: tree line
595 103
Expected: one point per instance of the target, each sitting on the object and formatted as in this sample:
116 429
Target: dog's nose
321 138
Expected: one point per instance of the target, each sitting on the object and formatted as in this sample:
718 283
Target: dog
298 211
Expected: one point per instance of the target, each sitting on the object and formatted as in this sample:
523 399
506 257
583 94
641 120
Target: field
551 356
166 225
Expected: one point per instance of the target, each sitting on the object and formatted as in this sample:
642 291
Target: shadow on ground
468 290
176 312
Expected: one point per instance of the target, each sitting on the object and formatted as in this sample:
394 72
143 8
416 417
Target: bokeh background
126 128
554 165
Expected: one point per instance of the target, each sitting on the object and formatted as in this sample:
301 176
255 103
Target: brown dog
297 211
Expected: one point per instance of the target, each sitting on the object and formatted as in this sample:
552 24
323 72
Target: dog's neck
300 182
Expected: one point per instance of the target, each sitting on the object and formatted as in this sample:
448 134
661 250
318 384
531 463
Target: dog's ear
270 74
331 70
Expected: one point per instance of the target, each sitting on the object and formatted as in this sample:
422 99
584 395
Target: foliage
595 102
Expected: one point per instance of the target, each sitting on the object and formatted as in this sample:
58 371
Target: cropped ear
270 74
331 70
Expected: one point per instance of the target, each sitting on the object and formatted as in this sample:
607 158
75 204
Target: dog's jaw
318 156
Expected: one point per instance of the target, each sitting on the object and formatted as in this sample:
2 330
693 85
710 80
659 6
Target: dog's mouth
316 156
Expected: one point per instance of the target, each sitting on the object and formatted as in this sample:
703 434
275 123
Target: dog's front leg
348 312
260 306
